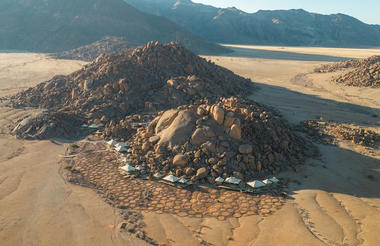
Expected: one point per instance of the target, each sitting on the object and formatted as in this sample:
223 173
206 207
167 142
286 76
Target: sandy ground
37 207
334 200
22 70
338 52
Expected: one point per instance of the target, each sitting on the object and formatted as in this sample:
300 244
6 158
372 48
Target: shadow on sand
297 106
339 170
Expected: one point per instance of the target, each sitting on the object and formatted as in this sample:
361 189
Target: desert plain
333 200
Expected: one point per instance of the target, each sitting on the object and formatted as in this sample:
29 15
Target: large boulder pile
148 79
330 132
231 137
106 45
365 73
353 63
47 124
364 76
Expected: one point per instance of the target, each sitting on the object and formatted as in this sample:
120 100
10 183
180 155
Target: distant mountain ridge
278 27
57 25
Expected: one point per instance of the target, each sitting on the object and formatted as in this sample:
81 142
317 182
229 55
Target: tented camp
233 180
256 184
171 178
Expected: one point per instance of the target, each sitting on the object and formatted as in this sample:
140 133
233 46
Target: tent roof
121 149
128 168
256 184
219 180
274 180
171 178
183 180
233 180
267 181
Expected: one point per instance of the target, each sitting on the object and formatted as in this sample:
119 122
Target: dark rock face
56 26
279 27
49 125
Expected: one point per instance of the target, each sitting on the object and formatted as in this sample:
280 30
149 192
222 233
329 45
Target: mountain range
278 27
57 25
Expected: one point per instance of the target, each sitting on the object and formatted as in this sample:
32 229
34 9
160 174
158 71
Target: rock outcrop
362 73
106 45
208 148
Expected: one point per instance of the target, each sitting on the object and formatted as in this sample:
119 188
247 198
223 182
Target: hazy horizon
366 11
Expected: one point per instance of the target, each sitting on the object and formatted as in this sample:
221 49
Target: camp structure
112 143
121 144
233 180
93 126
256 184
183 180
121 149
171 178
158 175
127 168
219 180
274 180
267 181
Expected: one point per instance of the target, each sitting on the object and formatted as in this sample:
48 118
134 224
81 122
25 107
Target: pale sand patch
340 52
22 70
37 207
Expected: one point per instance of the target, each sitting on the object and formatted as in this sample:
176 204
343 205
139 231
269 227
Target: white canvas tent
219 180
121 149
267 181
183 180
171 178
93 126
256 184
112 143
158 175
127 168
274 180
233 180
121 144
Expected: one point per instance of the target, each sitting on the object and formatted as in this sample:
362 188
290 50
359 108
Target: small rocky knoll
363 73
330 132
106 45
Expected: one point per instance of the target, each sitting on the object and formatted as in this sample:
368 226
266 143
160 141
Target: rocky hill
232 137
55 25
364 72
280 27
178 113
106 45
147 79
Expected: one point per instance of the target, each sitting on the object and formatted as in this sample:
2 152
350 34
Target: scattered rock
218 114
201 173
366 72
329 132
180 160
235 132
245 149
